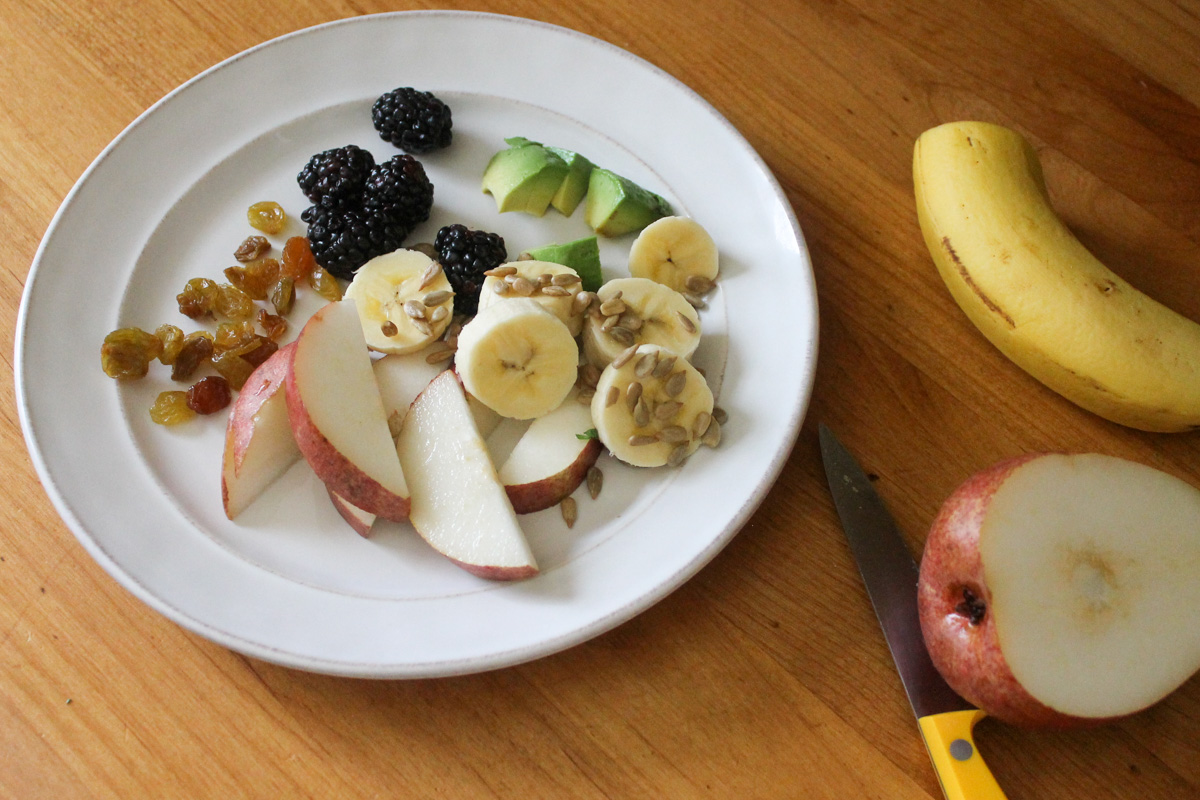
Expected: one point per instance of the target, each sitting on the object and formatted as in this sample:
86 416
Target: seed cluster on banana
404 301
652 408
1036 292
553 286
631 311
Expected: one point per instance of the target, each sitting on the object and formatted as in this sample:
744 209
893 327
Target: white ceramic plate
289 582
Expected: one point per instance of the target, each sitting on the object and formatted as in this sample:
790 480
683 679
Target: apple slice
337 414
259 446
458 504
359 520
1063 590
551 458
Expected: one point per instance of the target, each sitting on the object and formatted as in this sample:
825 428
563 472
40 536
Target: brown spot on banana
974 287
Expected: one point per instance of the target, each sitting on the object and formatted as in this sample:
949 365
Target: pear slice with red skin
1062 590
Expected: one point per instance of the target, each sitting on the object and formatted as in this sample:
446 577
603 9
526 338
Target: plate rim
429 668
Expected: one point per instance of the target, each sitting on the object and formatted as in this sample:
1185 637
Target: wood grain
766 675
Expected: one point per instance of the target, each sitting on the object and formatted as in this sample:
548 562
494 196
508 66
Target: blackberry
400 183
465 255
342 240
336 176
414 121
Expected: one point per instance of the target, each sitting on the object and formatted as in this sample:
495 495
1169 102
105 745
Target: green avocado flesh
574 186
581 255
617 205
524 178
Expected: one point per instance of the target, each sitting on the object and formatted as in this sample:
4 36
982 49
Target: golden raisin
127 352
172 342
253 248
171 408
198 298
275 326
267 216
209 395
233 303
325 284
283 295
263 349
233 368
232 335
298 261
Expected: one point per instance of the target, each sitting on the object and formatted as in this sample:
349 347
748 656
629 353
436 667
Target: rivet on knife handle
960 768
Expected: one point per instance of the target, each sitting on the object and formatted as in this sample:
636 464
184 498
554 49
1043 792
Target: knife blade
890 573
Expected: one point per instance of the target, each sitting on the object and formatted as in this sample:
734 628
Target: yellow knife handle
956 759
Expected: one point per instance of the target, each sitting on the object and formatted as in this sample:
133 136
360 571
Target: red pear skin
333 469
357 524
527 498
959 631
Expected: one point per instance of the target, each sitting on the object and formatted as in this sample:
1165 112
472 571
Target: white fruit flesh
401 378
549 446
517 358
335 381
259 446
458 504
1092 565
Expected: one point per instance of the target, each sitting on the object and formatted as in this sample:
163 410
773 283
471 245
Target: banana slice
517 358
404 301
676 252
639 311
652 408
553 286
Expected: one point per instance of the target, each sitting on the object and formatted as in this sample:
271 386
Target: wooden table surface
766 675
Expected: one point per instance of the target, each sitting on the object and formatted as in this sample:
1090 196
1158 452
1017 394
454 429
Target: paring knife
890 573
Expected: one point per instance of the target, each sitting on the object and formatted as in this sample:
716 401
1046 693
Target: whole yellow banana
1037 293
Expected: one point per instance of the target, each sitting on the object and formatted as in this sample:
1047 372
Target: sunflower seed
581 302
641 440
439 314
667 410
570 511
621 335
414 309
712 436
641 413
585 395
645 365
525 257
565 279
523 286
623 357
544 279
501 272
631 321
678 455
431 272
698 284
663 368
556 291
590 375
675 384
499 287
388 328
423 327
595 481
440 354
632 395
609 322
694 301
674 434
719 415
610 399
700 424
686 322
436 298
612 306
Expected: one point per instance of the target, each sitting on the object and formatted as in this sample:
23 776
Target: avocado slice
581 255
574 186
617 205
524 177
